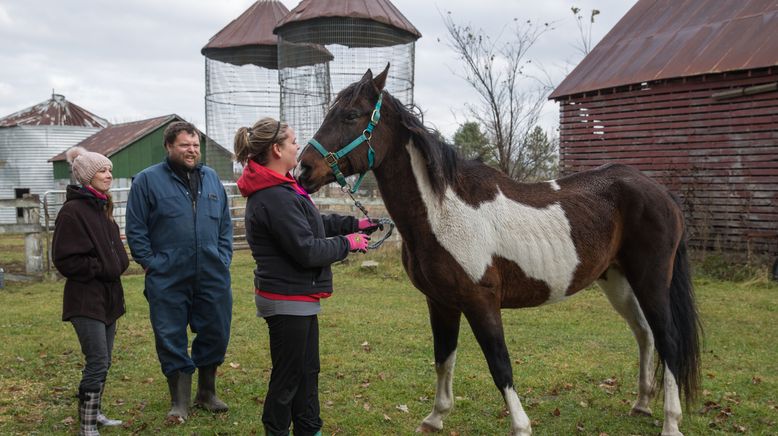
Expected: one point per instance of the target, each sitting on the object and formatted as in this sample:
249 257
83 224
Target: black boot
102 419
180 385
87 413
206 390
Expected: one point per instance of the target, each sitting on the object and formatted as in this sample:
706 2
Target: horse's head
346 142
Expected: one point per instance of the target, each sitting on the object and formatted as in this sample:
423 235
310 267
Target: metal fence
52 201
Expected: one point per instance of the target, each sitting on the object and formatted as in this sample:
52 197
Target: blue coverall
186 249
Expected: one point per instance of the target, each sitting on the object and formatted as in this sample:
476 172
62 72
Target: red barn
686 91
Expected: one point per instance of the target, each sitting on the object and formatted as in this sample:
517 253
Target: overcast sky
135 59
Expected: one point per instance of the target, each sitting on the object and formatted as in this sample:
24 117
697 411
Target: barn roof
115 138
118 136
382 11
57 111
664 39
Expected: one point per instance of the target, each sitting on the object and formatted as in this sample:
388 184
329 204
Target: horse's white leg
445 334
520 425
622 298
444 395
488 331
673 411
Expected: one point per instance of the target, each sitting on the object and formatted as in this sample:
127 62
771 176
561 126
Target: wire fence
52 201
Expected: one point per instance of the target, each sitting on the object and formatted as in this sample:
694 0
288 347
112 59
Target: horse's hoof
426 428
640 411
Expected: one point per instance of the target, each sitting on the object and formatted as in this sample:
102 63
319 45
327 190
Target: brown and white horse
475 241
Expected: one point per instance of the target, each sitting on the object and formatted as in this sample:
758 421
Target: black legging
96 341
293 391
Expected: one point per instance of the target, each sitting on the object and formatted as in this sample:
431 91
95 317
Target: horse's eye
352 116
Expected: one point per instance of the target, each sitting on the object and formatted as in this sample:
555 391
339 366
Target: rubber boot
180 385
87 413
206 390
103 420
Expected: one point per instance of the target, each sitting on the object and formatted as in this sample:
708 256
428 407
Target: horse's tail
686 329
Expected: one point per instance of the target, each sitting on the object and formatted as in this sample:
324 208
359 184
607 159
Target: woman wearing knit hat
88 251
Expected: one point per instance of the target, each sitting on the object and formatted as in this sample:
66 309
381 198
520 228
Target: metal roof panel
253 27
382 11
663 39
57 111
118 136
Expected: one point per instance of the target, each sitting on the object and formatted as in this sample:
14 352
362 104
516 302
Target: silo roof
57 111
252 27
664 39
382 11
249 39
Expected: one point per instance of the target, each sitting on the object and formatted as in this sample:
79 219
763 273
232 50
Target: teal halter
332 157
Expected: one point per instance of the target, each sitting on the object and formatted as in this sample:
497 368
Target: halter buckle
375 116
367 134
331 159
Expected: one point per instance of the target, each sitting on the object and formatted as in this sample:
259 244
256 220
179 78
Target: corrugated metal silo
30 137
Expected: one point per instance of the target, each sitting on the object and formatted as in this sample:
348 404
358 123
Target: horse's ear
380 80
367 76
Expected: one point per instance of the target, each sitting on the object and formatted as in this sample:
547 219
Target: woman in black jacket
88 251
293 246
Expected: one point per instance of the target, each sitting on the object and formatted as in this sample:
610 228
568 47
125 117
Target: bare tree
510 101
584 29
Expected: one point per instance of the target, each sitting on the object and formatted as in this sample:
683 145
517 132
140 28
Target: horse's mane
442 159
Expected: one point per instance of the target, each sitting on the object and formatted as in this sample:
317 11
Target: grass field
575 363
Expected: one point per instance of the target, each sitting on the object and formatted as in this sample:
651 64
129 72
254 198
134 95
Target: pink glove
368 225
357 242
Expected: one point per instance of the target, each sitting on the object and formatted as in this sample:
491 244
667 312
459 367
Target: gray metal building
30 137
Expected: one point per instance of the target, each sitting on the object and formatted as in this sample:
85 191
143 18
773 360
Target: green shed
135 146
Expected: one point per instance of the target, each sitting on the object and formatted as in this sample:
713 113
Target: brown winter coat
88 251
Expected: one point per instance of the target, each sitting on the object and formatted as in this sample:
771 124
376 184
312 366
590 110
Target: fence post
33 249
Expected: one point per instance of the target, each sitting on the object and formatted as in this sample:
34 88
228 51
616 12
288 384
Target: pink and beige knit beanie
86 164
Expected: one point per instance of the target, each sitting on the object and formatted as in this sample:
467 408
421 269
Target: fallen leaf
366 406
386 417
580 427
174 420
234 365
756 380
366 347
149 381
68 421
556 412
402 408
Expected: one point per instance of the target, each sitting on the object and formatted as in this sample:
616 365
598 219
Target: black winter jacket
87 250
292 243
